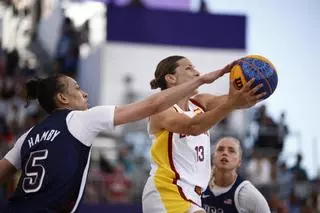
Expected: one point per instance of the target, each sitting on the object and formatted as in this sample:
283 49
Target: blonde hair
235 140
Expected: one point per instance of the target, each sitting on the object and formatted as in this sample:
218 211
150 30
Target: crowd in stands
288 189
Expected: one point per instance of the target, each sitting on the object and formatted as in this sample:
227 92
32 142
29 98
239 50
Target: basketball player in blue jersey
53 156
180 151
227 191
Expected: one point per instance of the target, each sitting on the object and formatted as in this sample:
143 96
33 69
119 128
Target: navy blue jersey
224 203
54 166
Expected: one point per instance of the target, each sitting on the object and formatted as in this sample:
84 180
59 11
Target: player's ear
61 98
239 164
170 78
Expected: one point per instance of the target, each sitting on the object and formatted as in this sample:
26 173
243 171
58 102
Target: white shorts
165 200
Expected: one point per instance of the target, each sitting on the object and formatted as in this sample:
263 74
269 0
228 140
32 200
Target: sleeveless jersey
224 203
180 161
54 166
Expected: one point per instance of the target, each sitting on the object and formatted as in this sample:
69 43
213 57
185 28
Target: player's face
185 71
227 156
77 98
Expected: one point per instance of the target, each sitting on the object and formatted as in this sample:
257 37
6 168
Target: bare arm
180 123
161 100
210 101
155 103
6 170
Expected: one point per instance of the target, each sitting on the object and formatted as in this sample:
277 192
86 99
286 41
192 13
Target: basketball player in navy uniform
53 156
227 191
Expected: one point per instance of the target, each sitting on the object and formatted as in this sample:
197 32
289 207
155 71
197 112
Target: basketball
258 67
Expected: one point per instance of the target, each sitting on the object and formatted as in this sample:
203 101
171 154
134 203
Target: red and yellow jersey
180 164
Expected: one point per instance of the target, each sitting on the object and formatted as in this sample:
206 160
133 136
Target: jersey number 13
200 153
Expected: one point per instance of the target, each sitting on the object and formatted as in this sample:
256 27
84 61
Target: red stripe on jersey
198 104
174 169
171 159
184 196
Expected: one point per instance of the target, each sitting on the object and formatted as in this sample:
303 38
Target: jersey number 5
34 171
200 153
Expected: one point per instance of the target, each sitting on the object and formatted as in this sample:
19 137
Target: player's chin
225 167
84 107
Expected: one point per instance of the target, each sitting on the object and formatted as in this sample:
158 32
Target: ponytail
45 90
32 90
154 84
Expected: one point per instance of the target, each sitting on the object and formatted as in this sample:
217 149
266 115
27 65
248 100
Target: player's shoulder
247 183
25 134
155 121
242 182
246 188
22 137
250 199
78 114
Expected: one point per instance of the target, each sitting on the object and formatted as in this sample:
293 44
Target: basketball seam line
258 70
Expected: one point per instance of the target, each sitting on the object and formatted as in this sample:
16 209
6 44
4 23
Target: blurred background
112 48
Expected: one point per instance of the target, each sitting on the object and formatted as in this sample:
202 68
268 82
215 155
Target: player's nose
224 154
85 95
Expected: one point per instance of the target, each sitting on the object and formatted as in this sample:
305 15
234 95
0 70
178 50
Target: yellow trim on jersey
164 176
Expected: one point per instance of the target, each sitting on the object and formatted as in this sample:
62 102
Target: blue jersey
224 203
54 166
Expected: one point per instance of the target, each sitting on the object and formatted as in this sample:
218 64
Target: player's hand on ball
245 97
227 69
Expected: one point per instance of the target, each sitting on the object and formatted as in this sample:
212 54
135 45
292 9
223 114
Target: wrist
228 103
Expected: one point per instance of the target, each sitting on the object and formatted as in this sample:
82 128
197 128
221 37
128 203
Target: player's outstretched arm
180 123
161 100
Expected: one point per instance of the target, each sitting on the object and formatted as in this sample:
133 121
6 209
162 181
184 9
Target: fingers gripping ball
258 67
